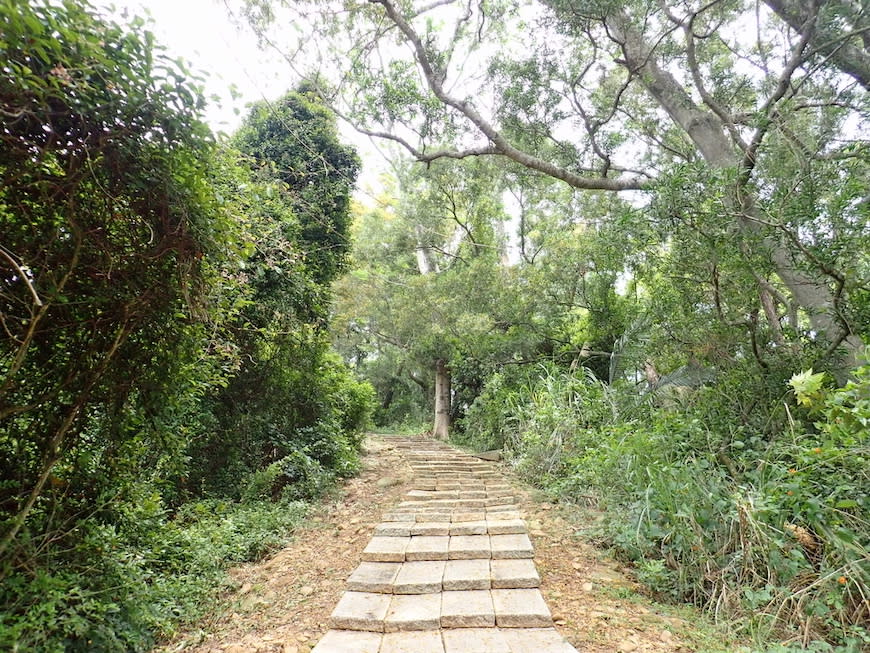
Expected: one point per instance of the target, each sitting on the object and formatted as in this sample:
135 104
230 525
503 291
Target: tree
622 97
424 272
289 403
437 299
108 230
296 136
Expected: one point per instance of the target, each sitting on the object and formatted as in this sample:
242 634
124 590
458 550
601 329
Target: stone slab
467 609
433 494
413 612
361 611
427 547
511 546
466 547
468 528
461 516
394 529
474 640
422 641
433 516
374 577
471 503
419 577
398 516
508 507
386 549
520 608
472 494
467 575
537 640
505 526
348 641
431 528
434 503
514 574
492 501
499 514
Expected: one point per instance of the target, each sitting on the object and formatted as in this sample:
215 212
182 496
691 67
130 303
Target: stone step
478 525
492 512
458 640
426 576
387 613
401 548
448 570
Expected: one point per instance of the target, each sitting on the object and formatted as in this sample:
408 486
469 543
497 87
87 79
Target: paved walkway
450 570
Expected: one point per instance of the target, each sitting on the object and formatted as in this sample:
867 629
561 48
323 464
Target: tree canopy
750 105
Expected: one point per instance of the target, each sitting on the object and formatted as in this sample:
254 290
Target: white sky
204 34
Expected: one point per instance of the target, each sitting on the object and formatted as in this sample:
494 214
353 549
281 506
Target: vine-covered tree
297 137
107 227
290 403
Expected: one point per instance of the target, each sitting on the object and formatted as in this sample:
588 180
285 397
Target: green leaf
807 386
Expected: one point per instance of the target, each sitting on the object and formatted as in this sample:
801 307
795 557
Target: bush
755 517
137 577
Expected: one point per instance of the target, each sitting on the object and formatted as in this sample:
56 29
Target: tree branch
850 59
499 143
797 57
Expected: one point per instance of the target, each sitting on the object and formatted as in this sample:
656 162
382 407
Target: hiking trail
434 549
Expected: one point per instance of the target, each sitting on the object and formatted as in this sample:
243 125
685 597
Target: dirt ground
282 604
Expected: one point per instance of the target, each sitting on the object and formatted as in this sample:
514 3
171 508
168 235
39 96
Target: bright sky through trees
203 33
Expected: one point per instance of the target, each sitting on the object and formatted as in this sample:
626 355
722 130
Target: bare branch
21 273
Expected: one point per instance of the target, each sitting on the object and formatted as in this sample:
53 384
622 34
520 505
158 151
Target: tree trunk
425 261
441 429
811 292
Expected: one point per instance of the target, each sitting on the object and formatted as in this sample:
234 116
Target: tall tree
297 137
623 96
284 400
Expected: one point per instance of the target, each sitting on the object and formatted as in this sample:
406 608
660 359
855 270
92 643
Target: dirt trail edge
342 578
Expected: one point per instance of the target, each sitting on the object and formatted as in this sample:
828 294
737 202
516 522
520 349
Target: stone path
450 570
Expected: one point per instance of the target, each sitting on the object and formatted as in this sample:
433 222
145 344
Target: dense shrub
760 515
146 572
163 352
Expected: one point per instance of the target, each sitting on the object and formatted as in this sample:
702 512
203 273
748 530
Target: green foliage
163 301
764 521
112 234
144 575
289 420
297 138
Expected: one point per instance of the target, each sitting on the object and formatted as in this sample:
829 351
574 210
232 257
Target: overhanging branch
499 144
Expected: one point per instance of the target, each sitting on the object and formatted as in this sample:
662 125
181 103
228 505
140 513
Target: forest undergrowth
753 507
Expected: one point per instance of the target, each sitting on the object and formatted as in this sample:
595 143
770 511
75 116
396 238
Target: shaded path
450 570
